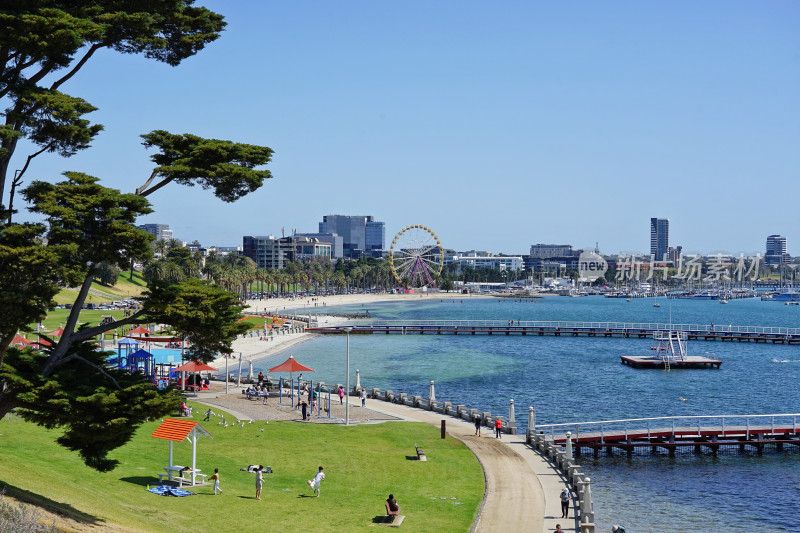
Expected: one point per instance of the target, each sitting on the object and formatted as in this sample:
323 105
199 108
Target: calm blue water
577 379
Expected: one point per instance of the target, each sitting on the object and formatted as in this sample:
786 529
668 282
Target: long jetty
696 434
703 332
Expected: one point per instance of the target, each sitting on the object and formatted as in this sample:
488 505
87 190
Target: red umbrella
195 366
57 333
140 330
19 339
291 365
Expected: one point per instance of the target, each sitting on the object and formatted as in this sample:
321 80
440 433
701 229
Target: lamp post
347 381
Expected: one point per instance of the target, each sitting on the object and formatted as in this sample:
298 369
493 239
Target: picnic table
182 473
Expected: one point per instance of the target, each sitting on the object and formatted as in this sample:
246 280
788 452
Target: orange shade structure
195 366
20 340
176 431
291 365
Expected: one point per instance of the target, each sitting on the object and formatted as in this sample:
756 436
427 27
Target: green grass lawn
363 464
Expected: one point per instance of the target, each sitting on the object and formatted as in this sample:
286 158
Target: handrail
646 423
649 326
679 417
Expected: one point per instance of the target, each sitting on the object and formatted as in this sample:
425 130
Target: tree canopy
88 229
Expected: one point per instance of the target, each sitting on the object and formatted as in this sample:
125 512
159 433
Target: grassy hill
363 464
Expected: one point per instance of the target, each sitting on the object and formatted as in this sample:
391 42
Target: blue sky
498 125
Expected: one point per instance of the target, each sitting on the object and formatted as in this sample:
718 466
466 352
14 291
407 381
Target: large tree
86 226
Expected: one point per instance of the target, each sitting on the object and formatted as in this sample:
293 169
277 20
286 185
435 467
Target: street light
347 381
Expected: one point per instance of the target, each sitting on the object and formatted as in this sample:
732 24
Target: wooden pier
682 434
702 332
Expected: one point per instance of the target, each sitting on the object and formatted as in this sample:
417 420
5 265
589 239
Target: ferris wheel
416 256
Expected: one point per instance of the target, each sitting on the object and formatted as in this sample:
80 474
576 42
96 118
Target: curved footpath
522 485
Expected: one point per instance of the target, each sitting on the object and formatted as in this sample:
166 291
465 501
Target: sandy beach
253 348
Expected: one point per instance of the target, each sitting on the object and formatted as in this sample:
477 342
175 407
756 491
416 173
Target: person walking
208 415
341 395
317 481
564 503
498 428
363 397
215 479
304 408
478 425
259 481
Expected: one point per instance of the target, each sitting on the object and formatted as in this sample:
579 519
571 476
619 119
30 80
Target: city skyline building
161 232
659 238
336 242
776 250
361 235
546 251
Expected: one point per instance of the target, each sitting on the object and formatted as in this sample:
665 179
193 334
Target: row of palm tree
240 274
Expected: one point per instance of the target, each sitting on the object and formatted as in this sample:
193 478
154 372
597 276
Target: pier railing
571 325
640 426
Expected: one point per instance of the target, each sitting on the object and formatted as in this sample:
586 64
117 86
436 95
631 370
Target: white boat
723 301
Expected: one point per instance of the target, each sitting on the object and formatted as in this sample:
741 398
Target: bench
182 477
420 453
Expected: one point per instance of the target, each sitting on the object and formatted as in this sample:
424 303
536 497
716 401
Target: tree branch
18 178
147 183
155 187
77 67
88 333
66 338
102 370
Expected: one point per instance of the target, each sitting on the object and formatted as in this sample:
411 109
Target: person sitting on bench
392 509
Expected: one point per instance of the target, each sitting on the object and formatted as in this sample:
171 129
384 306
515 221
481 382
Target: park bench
420 453
392 518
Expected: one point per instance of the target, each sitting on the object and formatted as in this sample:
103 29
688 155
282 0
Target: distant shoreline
255 349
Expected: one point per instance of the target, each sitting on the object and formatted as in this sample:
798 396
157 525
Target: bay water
576 379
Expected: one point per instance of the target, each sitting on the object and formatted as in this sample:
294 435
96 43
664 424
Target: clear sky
496 124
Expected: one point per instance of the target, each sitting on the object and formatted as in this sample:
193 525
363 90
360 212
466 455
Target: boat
656 304
791 303
723 301
670 352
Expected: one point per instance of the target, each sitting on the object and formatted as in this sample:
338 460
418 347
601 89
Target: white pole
569 446
431 394
170 460
226 373
347 381
239 382
194 453
183 360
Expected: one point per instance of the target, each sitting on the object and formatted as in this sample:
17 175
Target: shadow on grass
380 519
142 481
306 496
49 505
411 457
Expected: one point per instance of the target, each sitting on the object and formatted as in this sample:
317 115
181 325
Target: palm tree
339 280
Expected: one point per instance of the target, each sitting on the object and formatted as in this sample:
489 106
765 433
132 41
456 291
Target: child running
317 481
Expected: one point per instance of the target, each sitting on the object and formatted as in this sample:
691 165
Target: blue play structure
140 361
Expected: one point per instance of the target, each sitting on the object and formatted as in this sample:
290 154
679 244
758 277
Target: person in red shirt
498 427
